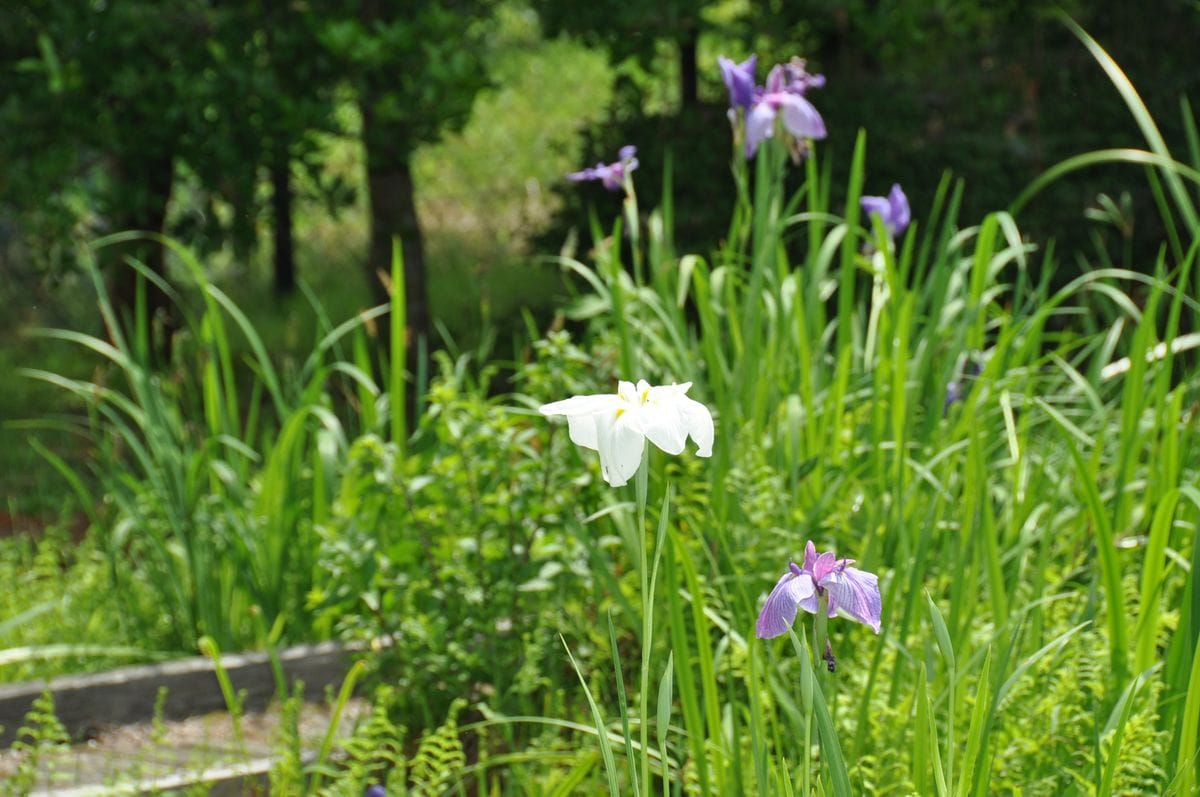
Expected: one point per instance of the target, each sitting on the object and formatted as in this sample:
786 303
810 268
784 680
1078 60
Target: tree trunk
144 185
281 212
688 93
394 215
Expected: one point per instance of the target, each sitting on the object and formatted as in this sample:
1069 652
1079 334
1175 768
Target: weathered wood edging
85 703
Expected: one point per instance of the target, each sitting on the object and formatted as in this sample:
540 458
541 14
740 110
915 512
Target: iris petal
779 611
760 125
699 424
582 429
620 449
801 118
855 594
581 405
662 425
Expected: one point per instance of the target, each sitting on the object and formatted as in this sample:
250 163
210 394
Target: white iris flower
619 426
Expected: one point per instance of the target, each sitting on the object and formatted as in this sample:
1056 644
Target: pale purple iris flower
954 394
957 390
892 209
849 591
611 174
739 80
375 791
784 96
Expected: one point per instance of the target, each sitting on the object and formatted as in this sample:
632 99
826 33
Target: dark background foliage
995 92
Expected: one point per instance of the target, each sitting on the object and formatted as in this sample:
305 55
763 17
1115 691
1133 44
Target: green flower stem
641 488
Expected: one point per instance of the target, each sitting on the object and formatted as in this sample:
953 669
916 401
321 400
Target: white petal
620 449
581 405
662 424
583 430
698 422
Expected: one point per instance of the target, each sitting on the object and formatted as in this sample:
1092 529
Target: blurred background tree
212 120
415 69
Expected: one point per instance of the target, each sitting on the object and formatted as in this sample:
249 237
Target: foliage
215 489
453 553
41 735
56 616
1014 457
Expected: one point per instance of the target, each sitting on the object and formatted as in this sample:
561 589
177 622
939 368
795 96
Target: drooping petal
620 449
801 118
662 424
779 611
760 125
854 593
670 407
699 424
582 430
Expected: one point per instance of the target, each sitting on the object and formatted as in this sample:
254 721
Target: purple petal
855 594
799 81
760 125
953 394
626 153
810 556
876 204
777 79
779 612
739 80
801 118
614 177
900 213
893 209
597 172
825 564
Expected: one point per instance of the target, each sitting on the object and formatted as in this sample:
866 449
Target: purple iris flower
892 209
954 393
375 791
957 390
784 94
850 591
739 79
611 174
